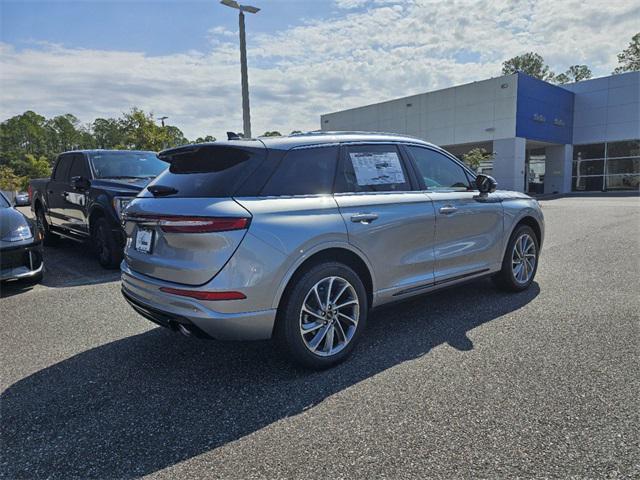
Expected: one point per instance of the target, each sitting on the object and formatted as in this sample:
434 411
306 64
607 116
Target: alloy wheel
523 258
329 316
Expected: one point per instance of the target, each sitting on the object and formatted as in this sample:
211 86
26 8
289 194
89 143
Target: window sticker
377 168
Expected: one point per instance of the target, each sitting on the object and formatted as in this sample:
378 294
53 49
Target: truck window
61 173
79 168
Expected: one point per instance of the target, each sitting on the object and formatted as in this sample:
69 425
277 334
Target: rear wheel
323 315
48 238
520 261
105 244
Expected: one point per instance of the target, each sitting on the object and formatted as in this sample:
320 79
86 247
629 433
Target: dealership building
544 138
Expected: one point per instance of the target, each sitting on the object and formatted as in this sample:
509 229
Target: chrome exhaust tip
184 330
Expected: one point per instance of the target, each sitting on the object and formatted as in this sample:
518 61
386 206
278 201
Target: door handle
448 210
364 217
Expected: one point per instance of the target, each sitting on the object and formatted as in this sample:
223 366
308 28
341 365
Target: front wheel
323 315
105 244
520 261
48 238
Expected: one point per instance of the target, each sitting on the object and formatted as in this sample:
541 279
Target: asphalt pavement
465 383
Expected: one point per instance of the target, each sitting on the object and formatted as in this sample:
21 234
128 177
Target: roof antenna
233 136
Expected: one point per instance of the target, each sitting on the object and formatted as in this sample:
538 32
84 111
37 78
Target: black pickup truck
86 193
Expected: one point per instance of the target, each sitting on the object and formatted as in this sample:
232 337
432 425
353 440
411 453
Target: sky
99 58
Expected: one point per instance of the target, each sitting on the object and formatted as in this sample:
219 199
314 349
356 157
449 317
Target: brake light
30 193
180 224
200 295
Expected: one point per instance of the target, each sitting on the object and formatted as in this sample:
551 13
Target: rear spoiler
169 154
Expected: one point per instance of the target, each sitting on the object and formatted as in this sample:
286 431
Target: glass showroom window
588 167
611 166
623 165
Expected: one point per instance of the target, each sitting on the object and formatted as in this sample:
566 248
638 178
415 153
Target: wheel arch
535 226
341 254
95 213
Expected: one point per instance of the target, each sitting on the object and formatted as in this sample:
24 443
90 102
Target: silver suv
299 237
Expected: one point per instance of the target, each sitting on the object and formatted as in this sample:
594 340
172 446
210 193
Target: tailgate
183 240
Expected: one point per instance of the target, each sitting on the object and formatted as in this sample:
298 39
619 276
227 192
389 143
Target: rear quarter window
304 171
208 171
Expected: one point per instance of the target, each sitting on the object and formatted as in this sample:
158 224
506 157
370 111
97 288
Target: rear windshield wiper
161 190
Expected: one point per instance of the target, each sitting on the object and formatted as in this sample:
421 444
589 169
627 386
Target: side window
438 171
62 168
303 171
79 168
372 168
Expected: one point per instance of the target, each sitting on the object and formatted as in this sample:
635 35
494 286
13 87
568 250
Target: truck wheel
48 238
106 247
323 315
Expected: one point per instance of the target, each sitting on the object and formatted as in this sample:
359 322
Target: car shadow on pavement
146 402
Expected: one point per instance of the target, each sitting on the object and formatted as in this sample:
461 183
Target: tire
517 272
106 246
336 336
48 238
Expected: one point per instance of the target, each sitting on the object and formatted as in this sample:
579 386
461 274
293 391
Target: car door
469 226
387 219
75 209
56 189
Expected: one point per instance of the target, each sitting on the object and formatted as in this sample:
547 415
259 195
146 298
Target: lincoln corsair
298 238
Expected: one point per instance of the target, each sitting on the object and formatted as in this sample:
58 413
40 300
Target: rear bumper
199 318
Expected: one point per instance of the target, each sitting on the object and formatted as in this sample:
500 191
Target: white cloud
366 55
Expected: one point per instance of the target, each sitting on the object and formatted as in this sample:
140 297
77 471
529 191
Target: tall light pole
164 142
246 115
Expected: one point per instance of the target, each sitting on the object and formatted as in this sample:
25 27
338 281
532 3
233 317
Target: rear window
304 171
208 171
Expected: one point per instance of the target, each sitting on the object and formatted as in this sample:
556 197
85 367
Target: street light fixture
246 116
162 119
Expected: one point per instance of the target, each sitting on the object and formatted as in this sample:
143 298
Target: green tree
575 73
141 132
273 133
21 134
31 166
294 132
629 58
205 139
530 63
474 157
173 136
9 180
107 133
63 133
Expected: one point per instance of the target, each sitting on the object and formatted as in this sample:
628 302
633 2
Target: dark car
20 245
87 192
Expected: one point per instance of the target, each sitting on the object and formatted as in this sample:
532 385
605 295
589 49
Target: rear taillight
30 193
180 224
201 295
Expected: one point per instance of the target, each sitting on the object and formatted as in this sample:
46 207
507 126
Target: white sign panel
377 168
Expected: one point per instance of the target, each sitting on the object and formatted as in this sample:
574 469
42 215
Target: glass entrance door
534 170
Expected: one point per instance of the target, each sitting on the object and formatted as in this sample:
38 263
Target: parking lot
470 382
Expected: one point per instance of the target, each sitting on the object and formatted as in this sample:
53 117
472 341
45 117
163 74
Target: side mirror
80 183
486 184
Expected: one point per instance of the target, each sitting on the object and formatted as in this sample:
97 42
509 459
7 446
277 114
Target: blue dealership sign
544 111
